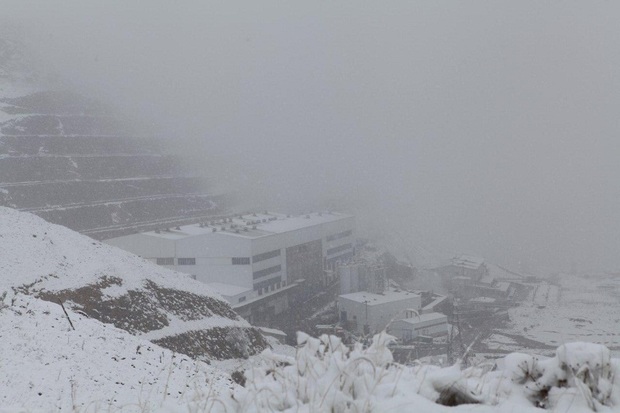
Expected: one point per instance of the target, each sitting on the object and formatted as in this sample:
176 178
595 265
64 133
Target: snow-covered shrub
327 376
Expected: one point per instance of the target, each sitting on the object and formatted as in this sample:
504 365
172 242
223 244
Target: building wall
406 331
338 228
305 261
349 278
144 245
376 316
263 245
214 256
306 249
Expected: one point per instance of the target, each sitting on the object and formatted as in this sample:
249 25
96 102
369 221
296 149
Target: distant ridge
79 163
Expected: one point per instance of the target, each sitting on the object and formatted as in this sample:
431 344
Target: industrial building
368 313
250 257
360 275
415 325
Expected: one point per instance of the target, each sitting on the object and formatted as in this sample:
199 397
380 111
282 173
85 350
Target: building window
339 235
240 260
165 261
339 248
266 271
266 255
331 263
267 284
186 261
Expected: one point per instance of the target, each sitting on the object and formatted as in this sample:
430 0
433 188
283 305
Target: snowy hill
46 365
59 265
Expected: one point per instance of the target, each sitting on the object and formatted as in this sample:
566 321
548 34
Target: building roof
467 261
425 317
250 225
371 299
435 302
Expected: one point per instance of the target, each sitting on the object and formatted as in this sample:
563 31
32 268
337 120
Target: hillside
56 264
80 163
48 366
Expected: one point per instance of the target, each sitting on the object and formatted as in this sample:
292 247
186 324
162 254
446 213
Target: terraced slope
71 161
77 162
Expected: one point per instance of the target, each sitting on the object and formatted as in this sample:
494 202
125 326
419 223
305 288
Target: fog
489 128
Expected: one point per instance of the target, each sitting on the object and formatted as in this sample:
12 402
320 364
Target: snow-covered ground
52 258
500 342
46 365
582 308
56 258
55 263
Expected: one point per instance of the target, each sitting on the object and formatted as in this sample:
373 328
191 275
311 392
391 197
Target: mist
489 128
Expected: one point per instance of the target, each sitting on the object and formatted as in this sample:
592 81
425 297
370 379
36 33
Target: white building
430 325
361 276
249 256
368 313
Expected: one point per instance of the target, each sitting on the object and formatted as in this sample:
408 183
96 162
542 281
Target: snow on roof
228 290
250 225
425 317
467 261
436 301
376 299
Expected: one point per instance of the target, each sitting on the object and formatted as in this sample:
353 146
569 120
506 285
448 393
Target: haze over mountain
78 162
487 128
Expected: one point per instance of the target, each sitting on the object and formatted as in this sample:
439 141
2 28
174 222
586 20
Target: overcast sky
489 128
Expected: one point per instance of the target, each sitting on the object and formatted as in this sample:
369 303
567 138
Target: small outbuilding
430 325
368 313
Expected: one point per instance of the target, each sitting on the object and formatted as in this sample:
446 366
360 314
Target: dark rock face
229 342
148 309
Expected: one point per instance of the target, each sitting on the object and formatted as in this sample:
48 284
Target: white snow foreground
46 366
325 376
